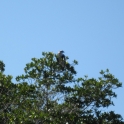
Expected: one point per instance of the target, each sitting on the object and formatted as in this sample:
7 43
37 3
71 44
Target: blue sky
91 32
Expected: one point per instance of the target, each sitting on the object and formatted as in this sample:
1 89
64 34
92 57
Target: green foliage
2 66
49 93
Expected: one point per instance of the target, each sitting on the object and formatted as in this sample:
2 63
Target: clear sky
90 31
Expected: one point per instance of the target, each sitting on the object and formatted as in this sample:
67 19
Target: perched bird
61 58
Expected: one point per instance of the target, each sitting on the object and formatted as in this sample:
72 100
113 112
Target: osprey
61 58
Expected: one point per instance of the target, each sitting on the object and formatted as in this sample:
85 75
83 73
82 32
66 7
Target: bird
61 57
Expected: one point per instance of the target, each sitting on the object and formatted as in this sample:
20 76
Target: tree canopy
48 93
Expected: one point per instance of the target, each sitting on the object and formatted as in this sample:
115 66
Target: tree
50 81
2 66
49 94
13 99
6 94
91 95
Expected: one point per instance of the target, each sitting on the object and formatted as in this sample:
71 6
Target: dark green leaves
2 66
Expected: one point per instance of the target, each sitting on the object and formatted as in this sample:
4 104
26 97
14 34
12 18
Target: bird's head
61 51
